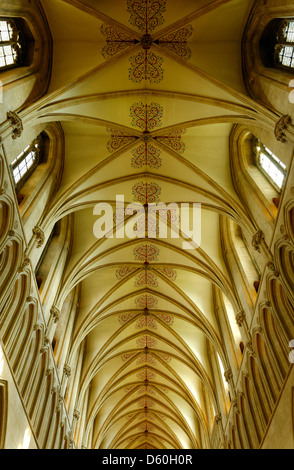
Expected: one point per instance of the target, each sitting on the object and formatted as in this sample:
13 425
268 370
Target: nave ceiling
147 94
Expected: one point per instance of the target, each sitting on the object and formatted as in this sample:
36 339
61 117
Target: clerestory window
23 166
284 49
11 44
273 169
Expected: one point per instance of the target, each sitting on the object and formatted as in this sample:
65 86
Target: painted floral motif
146 155
146 116
146 278
124 271
146 427
146 252
116 41
164 357
126 317
146 15
176 42
168 319
173 140
146 359
145 415
146 322
146 193
119 216
146 402
146 66
170 273
146 341
146 301
146 375
119 139
127 356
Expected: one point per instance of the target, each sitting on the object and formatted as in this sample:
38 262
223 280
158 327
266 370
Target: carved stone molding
250 349
45 346
55 312
38 327
271 266
281 127
59 404
76 414
62 423
235 406
240 318
67 371
30 300
16 123
245 373
39 235
218 418
283 233
258 330
228 375
69 439
4 187
25 264
257 239
49 371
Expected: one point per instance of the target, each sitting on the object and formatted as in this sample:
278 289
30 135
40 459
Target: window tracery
23 166
273 169
12 44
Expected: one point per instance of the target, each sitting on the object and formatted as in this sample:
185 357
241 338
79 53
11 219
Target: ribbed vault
147 93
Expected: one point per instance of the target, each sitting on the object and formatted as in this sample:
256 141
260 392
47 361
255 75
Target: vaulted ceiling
147 93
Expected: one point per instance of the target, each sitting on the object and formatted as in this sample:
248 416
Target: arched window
284 50
12 43
23 166
273 169
277 44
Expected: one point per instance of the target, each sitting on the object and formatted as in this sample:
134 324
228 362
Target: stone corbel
49 371
59 404
55 313
4 188
76 415
39 235
240 318
16 123
45 346
257 239
283 125
228 375
67 371
25 264
250 349
271 266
